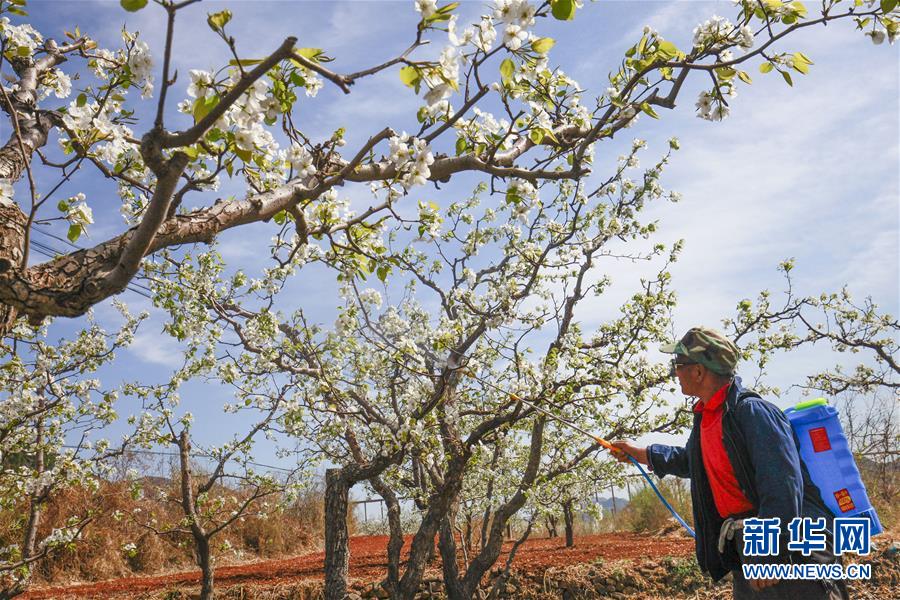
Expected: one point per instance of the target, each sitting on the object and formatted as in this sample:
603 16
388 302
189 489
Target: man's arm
669 460
662 459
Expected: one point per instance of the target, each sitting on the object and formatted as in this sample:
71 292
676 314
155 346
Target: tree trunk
395 542
569 516
29 540
12 253
337 545
551 527
204 561
491 551
201 540
423 542
447 546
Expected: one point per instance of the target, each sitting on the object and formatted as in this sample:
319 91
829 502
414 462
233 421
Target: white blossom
201 84
427 8
370 297
141 64
486 35
877 37
514 36
79 213
413 158
301 161
20 36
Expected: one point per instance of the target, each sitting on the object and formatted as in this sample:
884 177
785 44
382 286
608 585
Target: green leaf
202 106
799 9
244 62
536 135
63 206
448 8
787 78
74 233
409 76
543 45
668 49
81 100
313 54
765 67
217 21
563 10
280 217
461 145
649 110
725 73
888 5
642 45
244 155
507 68
745 77
382 272
133 5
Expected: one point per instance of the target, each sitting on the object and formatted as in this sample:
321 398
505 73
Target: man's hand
761 584
626 449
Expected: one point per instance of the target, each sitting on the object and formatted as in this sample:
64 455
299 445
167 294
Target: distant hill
607 504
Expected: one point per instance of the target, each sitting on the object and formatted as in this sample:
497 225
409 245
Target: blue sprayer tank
827 455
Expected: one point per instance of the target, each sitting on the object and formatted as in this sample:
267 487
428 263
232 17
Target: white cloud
156 349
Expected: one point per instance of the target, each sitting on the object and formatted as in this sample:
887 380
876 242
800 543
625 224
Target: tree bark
569 516
447 546
551 527
204 561
491 551
201 539
337 547
12 252
423 542
395 542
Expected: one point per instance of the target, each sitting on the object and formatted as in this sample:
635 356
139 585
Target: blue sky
809 172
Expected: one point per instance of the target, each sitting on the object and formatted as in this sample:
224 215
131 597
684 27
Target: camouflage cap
707 347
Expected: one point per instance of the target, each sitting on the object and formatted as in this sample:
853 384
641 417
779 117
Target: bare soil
368 563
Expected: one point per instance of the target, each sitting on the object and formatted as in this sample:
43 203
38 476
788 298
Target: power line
201 454
51 252
77 247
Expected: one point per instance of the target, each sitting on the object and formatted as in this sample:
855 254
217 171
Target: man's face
689 374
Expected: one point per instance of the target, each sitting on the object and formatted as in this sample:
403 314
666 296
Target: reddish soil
368 563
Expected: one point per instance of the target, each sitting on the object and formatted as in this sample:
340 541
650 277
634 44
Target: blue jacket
763 451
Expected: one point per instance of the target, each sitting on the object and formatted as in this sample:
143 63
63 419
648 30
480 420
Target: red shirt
727 494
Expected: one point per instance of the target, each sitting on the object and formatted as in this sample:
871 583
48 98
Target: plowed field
368 563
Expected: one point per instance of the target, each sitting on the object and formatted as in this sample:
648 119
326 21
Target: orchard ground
616 565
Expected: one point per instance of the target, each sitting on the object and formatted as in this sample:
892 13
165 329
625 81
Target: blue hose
660 496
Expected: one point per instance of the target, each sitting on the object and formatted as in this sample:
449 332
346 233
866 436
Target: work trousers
791 589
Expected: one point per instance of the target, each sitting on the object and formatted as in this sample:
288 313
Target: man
743 462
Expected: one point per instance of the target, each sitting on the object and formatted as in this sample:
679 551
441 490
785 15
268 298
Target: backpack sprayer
599 440
824 449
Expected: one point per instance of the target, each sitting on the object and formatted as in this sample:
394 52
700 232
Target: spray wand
599 440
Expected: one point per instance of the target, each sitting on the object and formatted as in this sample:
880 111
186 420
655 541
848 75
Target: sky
809 171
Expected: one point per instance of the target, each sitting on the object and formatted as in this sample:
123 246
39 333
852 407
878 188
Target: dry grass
99 553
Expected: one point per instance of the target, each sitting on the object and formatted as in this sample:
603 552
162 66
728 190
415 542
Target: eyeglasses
676 364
